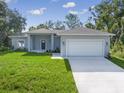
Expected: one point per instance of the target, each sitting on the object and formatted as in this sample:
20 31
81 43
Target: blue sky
40 11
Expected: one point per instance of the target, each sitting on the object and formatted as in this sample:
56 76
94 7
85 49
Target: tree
42 26
72 21
90 25
11 22
32 28
109 16
122 39
49 24
16 23
3 9
58 25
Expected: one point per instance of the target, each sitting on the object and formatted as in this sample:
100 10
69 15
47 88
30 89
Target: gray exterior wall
64 38
56 42
15 40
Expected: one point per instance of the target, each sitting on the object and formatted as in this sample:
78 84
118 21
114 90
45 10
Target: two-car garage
84 42
85 46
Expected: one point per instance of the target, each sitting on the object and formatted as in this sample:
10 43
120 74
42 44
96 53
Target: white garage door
84 47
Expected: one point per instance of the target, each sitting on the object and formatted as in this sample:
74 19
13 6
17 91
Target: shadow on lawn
68 67
117 61
36 54
5 52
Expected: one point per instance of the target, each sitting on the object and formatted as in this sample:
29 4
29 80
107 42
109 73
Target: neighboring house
76 42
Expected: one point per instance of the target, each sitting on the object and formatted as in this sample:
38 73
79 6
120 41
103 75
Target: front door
43 45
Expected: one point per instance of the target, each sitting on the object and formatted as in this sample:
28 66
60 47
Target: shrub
3 49
21 49
57 50
48 51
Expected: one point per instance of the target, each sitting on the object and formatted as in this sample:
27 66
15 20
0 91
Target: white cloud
39 11
78 12
9 1
69 5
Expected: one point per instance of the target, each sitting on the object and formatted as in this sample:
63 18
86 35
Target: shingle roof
19 35
76 31
84 31
42 31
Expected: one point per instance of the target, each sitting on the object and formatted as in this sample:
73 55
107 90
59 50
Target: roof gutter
17 36
86 34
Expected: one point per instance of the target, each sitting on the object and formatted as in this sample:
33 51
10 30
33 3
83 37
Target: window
21 44
43 44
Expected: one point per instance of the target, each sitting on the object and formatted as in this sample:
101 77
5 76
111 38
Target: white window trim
20 40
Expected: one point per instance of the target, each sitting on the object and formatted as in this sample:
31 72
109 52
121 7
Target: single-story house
76 42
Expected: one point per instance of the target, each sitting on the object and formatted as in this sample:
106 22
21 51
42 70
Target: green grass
117 60
22 72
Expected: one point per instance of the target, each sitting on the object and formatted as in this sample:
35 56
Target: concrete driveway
97 75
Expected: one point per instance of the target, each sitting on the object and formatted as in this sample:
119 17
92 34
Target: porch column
31 43
52 41
29 40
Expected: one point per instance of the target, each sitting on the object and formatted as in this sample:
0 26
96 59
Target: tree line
71 21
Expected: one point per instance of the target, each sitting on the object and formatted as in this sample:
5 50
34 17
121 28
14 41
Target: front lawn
22 72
